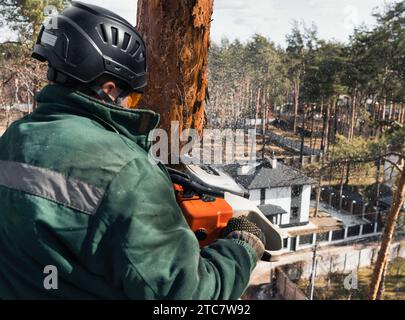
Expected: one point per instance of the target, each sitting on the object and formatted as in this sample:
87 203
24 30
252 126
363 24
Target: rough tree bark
383 253
177 35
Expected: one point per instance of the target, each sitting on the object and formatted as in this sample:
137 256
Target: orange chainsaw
209 198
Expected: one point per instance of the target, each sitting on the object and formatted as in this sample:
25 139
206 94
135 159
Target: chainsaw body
207 216
209 198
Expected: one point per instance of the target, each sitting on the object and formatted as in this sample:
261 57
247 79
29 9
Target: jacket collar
133 124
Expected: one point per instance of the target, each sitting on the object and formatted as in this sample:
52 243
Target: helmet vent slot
103 33
114 33
135 48
125 43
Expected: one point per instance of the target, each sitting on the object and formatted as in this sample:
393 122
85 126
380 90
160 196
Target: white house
281 192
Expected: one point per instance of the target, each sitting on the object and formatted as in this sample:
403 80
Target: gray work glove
243 229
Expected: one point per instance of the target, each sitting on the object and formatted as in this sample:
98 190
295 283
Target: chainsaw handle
202 183
177 172
196 187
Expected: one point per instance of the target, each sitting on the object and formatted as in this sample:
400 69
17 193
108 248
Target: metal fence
298 162
292 144
347 233
287 289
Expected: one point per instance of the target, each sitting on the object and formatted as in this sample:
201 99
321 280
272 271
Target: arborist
79 195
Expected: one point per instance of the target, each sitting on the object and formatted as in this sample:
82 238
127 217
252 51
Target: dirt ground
7 117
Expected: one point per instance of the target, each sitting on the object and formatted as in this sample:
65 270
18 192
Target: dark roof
271 210
264 176
386 200
348 194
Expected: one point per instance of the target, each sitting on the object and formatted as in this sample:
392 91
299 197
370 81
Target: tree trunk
328 127
325 123
381 288
390 113
342 177
318 193
383 253
394 112
377 182
336 122
296 104
257 107
352 116
347 174
177 35
384 108
302 138
264 111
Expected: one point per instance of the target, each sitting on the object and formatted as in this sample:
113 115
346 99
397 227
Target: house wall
254 196
305 203
280 197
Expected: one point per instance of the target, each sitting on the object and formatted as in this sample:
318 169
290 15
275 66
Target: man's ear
109 88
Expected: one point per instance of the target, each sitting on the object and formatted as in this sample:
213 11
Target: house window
306 239
262 196
296 191
294 212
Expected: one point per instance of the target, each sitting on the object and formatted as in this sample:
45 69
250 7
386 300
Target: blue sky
240 19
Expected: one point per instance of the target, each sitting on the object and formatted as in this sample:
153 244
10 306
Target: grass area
332 287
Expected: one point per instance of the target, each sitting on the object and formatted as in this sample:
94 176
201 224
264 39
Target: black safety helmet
88 43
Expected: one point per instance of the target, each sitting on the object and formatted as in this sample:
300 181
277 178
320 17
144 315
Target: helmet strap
100 92
58 77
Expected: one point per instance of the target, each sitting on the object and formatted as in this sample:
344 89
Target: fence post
352 206
361 230
345 234
341 197
344 264
359 263
376 216
285 285
330 236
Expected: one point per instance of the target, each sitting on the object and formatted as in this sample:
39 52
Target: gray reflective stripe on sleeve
50 185
48 38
